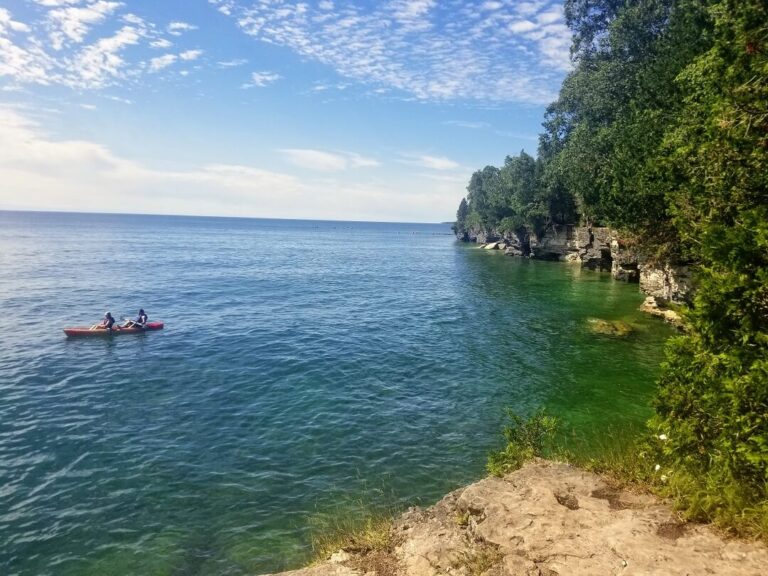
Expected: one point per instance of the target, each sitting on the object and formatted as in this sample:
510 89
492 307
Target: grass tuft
478 561
353 534
526 439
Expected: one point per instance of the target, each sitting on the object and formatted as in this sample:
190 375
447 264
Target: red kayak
86 330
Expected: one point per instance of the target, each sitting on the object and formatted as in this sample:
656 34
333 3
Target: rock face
666 283
625 264
597 249
589 246
556 244
552 519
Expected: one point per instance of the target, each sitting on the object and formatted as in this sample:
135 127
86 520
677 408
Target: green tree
481 194
460 227
713 394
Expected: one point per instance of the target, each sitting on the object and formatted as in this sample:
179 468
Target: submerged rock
609 327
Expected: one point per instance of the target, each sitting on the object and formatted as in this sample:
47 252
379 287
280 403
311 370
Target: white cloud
42 172
323 161
190 55
119 99
471 50
55 3
100 64
133 19
455 49
161 44
224 6
412 15
84 44
232 63
550 16
521 26
261 79
157 64
178 28
25 64
7 23
73 23
467 124
358 161
529 8
431 162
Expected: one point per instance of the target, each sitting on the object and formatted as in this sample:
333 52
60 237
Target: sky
319 109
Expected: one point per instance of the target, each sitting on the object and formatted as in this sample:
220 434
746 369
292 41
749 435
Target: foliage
628 455
363 534
661 130
459 227
507 200
713 394
478 560
526 439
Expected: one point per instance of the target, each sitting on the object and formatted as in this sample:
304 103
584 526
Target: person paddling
106 323
140 322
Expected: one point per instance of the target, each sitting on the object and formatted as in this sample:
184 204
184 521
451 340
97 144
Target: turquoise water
303 364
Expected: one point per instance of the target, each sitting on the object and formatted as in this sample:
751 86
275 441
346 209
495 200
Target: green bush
712 401
526 439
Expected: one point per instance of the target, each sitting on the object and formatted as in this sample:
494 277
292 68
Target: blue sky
269 108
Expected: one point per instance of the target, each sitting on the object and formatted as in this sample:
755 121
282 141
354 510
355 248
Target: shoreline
667 287
547 518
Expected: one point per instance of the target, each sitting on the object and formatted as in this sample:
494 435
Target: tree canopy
661 131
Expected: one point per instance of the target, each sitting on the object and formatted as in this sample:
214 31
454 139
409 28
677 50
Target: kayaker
140 322
107 322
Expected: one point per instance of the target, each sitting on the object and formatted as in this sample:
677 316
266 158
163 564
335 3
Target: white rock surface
551 519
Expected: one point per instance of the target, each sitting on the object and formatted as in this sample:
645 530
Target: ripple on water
306 368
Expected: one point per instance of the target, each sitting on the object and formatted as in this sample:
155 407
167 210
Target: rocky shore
547 519
598 248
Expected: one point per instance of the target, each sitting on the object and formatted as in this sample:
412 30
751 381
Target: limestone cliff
596 248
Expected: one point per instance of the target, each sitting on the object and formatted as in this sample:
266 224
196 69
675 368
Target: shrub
526 439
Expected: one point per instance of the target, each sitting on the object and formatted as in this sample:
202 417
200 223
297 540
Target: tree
713 394
460 226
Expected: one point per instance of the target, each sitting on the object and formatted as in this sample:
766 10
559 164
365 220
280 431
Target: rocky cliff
548 519
596 248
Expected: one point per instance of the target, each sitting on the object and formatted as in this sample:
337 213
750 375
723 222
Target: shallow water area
303 365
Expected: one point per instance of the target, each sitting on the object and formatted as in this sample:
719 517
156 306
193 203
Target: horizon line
42 211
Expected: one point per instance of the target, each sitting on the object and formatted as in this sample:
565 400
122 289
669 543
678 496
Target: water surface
302 364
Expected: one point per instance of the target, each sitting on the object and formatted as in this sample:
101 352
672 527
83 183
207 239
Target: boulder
609 327
652 306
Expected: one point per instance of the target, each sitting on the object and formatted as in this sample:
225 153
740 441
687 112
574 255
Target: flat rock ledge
656 307
551 519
